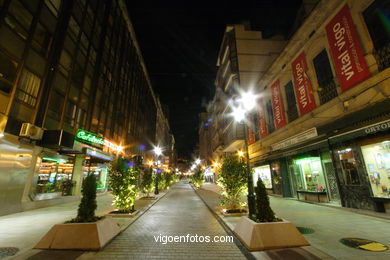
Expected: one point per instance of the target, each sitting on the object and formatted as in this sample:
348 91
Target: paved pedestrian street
180 212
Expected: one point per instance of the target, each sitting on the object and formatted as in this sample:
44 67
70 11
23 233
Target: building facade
321 131
74 93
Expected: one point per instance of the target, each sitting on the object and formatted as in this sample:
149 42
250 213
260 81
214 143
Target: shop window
99 170
326 85
377 21
55 105
377 162
20 19
28 88
54 6
42 40
7 73
55 176
292 111
307 175
263 173
349 167
270 117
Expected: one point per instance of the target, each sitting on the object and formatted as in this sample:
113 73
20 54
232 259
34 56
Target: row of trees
126 180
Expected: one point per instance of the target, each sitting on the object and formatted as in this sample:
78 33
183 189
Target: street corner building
321 130
74 94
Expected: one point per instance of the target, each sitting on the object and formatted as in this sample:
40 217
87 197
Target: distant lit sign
98 154
89 138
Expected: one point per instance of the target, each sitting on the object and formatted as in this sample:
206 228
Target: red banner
277 105
347 55
251 136
262 123
302 85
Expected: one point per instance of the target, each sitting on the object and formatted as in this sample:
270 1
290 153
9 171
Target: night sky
180 43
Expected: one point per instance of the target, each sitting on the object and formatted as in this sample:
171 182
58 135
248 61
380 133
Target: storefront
97 163
362 160
55 175
307 178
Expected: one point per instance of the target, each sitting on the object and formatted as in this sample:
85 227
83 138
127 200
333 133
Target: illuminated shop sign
89 138
277 105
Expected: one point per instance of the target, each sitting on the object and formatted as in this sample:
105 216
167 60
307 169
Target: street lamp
246 102
157 151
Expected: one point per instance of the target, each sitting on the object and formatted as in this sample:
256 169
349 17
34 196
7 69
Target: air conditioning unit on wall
31 131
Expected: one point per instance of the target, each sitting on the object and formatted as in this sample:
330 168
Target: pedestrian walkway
329 225
178 213
23 230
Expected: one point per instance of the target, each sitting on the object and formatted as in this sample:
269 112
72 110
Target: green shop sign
89 138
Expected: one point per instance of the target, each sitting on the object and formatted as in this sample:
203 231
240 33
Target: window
81 118
70 114
42 39
65 62
55 105
20 19
28 88
7 73
326 85
349 167
376 17
256 131
377 161
292 111
53 5
74 28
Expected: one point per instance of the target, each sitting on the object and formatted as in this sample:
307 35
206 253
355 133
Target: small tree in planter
88 205
123 182
264 213
233 181
146 185
197 178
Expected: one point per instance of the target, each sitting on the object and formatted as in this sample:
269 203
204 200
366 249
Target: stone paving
179 212
330 225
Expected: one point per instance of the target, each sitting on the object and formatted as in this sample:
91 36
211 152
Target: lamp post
246 103
157 151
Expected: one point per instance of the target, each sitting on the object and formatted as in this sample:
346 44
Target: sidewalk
23 230
329 224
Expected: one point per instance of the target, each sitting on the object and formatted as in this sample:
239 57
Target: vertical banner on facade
302 85
261 118
251 136
347 55
277 105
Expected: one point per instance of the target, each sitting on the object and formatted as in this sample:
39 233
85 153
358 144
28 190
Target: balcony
233 137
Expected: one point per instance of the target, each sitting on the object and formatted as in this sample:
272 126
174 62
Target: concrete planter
122 215
226 214
270 235
80 236
148 198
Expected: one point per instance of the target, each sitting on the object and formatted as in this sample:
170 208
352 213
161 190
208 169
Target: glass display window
100 170
54 174
308 174
264 173
348 165
377 161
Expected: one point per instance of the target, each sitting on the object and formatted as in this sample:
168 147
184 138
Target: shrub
233 181
123 182
264 213
146 184
197 178
88 205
